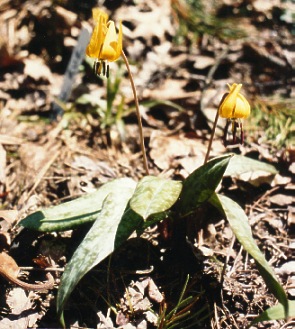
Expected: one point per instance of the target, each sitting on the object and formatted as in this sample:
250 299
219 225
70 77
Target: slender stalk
145 163
211 138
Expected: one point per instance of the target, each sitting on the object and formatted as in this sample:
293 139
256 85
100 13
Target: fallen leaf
10 140
22 314
291 291
10 271
10 216
151 317
286 269
203 62
167 149
281 199
153 292
36 69
105 322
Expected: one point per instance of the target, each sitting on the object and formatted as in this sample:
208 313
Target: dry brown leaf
22 314
153 292
105 322
142 18
36 157
257 178
281 199
286 269
36 69
10 140
203 62
9 216
33 157
291 290
166 150
37 161
170 89
10 271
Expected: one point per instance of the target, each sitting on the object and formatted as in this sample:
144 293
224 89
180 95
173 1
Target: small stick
145 164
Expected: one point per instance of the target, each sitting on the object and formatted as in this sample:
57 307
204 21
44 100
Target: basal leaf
240 164
276 312
71 214
249 170
154 195
130 222
201 184
242 230
97 244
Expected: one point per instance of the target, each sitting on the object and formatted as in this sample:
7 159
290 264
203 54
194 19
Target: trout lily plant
124 206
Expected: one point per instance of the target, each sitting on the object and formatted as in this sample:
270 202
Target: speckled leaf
242 230
201 184
71 214
154 195
249 170
240 164
98 243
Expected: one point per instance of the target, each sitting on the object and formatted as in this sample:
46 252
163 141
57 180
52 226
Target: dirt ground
55 148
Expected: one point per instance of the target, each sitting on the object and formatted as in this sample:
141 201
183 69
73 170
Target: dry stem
211 138
137 114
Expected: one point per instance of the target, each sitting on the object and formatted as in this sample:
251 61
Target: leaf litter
43 163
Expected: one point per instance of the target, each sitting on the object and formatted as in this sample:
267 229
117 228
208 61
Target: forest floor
182 61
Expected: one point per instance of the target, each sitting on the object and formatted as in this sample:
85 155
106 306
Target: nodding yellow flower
234 105
105 44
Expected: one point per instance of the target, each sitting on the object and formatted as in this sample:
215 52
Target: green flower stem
145 163
211 138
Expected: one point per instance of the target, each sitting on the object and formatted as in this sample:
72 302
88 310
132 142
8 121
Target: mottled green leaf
154 195
97 244
71 214
242 230
240 164
249 170
201 184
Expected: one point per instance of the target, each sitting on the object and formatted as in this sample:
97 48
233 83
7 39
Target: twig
216 316
286 325
145 164
47 269
230 248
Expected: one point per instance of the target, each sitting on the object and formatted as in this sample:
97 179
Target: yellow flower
234 105
105 44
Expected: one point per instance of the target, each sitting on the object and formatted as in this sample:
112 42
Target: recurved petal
98 35
120 41
99 15
95 43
